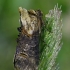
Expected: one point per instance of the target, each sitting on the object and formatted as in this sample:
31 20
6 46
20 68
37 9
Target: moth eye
19 29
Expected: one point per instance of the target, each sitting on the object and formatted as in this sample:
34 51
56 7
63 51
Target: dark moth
27 50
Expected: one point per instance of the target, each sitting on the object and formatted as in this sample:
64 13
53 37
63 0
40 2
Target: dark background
9 21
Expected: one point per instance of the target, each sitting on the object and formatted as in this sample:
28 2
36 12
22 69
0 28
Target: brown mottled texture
27 50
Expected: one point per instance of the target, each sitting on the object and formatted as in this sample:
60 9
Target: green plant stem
50 42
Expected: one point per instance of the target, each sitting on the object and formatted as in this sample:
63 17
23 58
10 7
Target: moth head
29 20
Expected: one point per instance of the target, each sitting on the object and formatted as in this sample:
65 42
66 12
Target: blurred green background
9 21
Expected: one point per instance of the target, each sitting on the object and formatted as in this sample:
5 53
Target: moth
27 50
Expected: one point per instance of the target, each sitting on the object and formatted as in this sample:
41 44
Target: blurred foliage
9 17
